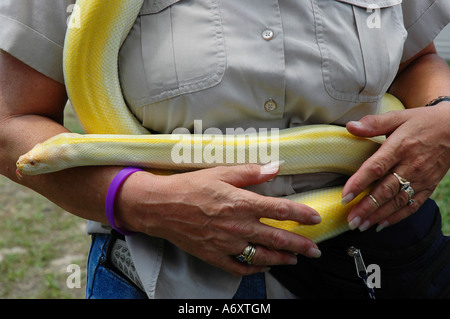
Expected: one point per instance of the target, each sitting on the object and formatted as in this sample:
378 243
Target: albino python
93 86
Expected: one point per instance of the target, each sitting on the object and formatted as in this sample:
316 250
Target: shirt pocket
361 45
176 47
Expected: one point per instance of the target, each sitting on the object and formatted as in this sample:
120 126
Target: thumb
251 174
375 125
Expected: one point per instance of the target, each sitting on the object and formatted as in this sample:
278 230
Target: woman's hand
208 214
417 149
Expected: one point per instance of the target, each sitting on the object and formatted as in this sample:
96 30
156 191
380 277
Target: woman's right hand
207 214
204 212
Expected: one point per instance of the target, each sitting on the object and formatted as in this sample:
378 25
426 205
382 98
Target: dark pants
413 258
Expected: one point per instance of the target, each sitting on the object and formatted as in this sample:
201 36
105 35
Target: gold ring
248 254
374 200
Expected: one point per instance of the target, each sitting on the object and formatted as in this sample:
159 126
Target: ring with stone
404 184
247 254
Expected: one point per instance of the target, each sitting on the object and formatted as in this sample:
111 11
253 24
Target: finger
374 168
383 192
264 256
236 268
375 125
273 257
389 203
379 164
281 209
385 219
262 259
399 202
282 240
249 174
264 206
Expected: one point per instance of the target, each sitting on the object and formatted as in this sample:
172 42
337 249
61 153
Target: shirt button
270 105
267 34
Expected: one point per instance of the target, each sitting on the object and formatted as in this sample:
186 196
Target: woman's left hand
417 149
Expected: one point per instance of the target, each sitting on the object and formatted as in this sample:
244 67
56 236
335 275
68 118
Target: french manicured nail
364 226
314 252
271 167
354 223
347 199
356 123
382 226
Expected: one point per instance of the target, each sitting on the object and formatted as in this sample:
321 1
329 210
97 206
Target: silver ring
374 200
404 184
406 187
248 254
410 191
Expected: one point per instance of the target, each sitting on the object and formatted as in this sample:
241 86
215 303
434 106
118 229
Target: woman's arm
417 148
206 212
422 79
31 110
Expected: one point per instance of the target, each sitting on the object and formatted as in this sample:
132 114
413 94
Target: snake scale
115 137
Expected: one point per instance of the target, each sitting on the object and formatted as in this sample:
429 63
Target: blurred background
443 43
39 240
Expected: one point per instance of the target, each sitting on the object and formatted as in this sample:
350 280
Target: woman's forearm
422 80
31 111
80 191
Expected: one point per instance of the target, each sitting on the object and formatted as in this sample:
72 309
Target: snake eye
32 162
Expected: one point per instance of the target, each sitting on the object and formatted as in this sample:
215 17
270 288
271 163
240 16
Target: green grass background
38 240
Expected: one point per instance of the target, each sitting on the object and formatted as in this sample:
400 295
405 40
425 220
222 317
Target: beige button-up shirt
234 63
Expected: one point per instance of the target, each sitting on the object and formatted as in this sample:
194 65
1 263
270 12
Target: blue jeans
103 282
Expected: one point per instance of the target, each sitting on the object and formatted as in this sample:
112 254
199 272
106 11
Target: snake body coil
115 137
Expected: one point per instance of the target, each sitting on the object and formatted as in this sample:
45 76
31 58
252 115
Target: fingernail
293 261
356 123
354 223
382 226
271 168
347 199
314 252
316 219
364 226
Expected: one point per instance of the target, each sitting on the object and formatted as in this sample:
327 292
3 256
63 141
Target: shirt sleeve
34 31
424 20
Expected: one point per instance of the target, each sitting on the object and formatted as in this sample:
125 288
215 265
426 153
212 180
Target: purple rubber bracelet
111 196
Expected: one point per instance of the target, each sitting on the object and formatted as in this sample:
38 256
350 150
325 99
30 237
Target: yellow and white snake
115 137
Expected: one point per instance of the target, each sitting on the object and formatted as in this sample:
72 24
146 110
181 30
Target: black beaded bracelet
439 100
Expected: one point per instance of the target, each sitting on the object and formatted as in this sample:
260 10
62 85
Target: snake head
30 163
25 164
44 157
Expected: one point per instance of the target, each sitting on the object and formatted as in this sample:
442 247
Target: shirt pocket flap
369 4
167 60
155 6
